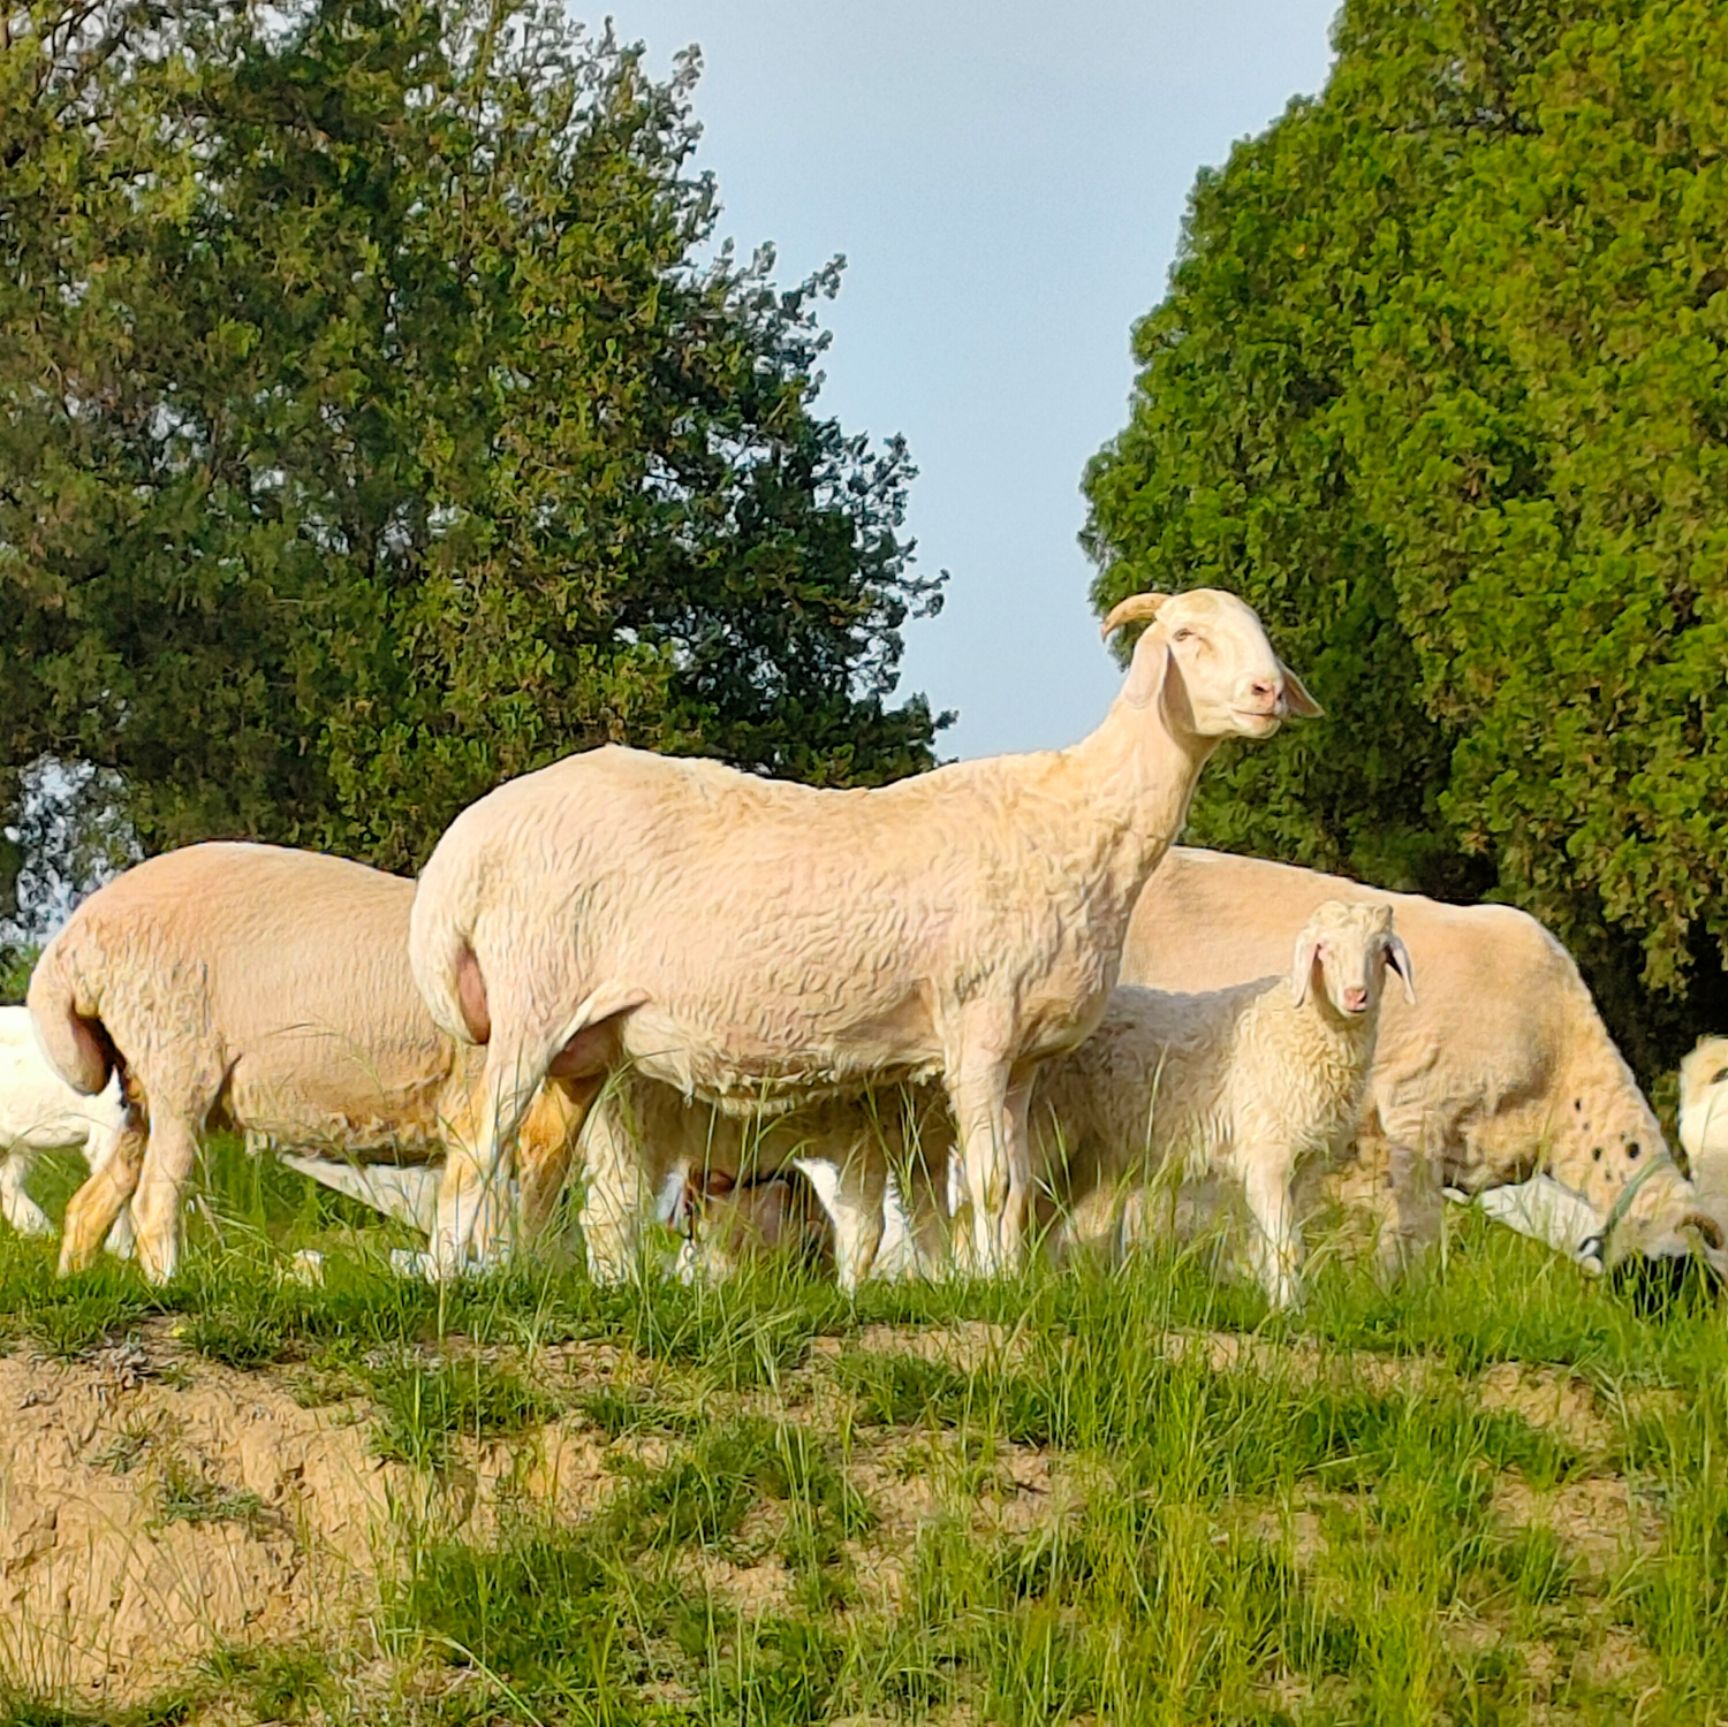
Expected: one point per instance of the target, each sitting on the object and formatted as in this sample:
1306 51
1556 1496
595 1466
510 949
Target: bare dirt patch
154 1506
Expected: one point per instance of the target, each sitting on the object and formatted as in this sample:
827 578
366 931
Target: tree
1441 386
372 429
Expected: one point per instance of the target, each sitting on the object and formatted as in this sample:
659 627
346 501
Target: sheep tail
68 1023
441 956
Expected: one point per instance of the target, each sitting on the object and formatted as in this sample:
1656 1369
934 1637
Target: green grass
1497 1492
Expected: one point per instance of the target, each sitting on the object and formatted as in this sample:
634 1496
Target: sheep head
1353 947
1205 658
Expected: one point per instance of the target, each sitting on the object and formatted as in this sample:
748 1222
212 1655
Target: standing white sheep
1503 1070
267 991
40 1112
758 943
1254 1082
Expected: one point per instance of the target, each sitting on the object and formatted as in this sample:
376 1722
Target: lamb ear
1301 704
1398 957
1302 965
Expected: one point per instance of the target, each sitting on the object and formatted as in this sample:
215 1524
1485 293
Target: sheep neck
1129 784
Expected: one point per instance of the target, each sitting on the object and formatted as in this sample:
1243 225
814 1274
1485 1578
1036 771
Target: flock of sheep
983 1008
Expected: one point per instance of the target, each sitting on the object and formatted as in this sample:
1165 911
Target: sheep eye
1182 634
1721 1074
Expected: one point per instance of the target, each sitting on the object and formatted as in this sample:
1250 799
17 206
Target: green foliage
1441 386
16 964
378 419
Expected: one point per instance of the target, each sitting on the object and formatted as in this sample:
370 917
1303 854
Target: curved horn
1132 610
1709 1230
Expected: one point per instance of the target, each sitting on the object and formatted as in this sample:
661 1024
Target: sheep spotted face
1350 948
1207 659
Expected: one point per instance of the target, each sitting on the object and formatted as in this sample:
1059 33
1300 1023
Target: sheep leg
618 1196
100 1151
547 1149
97 1208
1274 1246
991 1106
924 1198
20 1210
473 1198
857 1213
168 1163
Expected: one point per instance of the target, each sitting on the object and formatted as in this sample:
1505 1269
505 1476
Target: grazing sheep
1546 1211
1255 1082
759 943
1704 1113
1503 1070
268 991
643 1140
40 1112
726 1223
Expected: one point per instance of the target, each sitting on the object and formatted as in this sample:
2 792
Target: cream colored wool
1254 1082
1502 1069
1704 1114
758 944
268 991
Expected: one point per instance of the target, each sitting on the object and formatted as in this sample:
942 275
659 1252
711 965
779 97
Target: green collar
1622 1204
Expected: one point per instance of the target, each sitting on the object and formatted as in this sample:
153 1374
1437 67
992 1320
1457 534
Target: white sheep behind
40 1112
1704 1114
759 943
268 991
1252 1083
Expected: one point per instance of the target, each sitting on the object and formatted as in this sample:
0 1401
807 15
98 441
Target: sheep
1253 1082
40 1112
267 990
1704 1113
646 1147
1503 1070
724 1223
1544 1210
758 943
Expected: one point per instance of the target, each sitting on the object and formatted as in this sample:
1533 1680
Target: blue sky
1007 182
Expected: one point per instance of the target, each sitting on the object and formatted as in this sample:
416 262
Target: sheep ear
1151 656
1302 966
1301 704
1398 957
1151 664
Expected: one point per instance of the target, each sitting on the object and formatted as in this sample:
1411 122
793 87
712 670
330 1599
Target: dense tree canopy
1441 385
378 419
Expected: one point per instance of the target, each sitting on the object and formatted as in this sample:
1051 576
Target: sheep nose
1267 694
1356 998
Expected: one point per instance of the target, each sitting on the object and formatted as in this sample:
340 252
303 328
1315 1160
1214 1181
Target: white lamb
1254 1082
268 991
758 943
1503 1071
40 1112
